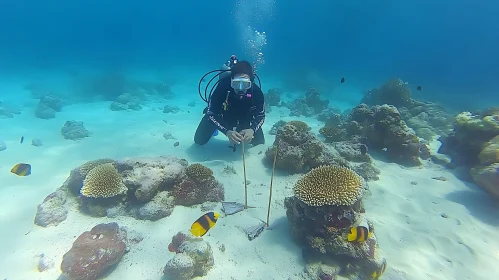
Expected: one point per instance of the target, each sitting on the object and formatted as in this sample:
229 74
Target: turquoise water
87 54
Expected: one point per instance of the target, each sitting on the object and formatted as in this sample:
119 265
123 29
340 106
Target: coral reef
48 106
193 258
126 101
8 111
198 186
144 188
474 144
299 150
74 130
273 97
378 128
171 109
426 118
276 126
94 252
336 236
308 106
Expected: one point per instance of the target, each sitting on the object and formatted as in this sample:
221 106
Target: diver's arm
259 114
213 112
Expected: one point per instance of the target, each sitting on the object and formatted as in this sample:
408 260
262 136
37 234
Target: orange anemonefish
21 169
359 234
378 272
201 226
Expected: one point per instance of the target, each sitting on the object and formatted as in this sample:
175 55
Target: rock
490 152
74 130
145 176
52 211
94 251
171 109
441 159
36 142
3 146
194 258
44 263
168 136
181 267
159 207
44 112
487 177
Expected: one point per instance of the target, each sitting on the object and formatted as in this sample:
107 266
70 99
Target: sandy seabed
427 228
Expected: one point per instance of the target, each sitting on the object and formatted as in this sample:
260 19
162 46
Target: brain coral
89 165
198 171
329 185
103 181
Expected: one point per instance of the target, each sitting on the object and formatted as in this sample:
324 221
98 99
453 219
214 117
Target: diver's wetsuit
242 113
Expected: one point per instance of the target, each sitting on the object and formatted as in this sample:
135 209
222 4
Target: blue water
447 47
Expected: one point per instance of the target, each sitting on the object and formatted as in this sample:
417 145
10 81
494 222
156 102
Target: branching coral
329 185
198 172
103 181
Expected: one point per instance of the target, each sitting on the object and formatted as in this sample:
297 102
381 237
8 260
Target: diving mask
240 84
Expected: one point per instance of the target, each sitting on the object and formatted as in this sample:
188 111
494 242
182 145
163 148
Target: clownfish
201 226
359 234
378 272
21 169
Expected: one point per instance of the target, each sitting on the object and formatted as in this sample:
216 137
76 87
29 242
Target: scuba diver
236 107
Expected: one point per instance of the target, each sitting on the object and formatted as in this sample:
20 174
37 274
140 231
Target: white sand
417 241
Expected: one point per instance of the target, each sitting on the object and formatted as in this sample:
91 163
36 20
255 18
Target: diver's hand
247 134
234 137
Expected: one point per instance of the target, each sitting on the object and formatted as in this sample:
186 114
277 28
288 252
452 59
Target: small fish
22 139
233 147
21 169
342 80
363 149
419 88
176 144
359 234
260 152
378 272
202 225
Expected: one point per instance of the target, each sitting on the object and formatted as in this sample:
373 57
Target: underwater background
381 141
446 46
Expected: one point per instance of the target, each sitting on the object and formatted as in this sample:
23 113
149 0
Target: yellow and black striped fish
21 169
201 226
378 272
359 234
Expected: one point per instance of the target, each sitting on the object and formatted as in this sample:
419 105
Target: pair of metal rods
246 185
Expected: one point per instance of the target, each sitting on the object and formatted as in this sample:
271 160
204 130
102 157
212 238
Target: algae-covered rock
194 257
490 152
487 177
